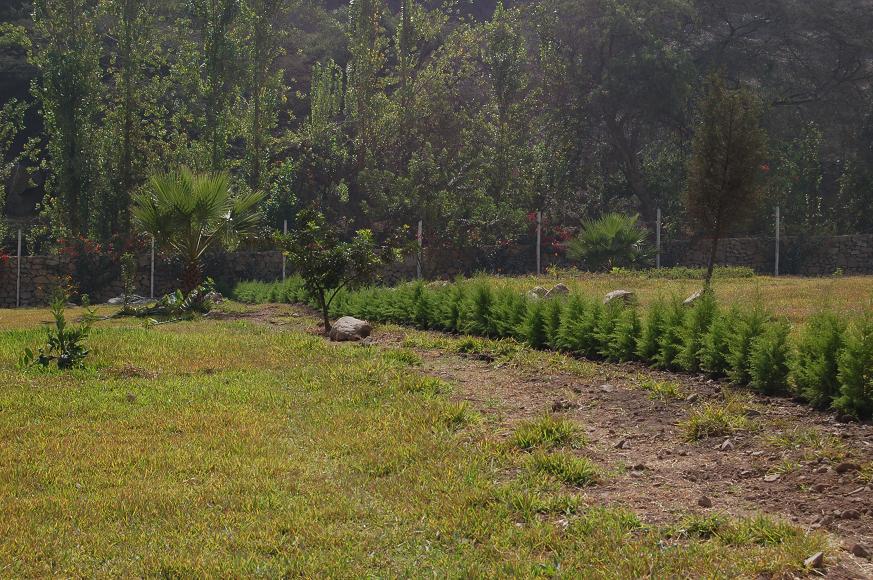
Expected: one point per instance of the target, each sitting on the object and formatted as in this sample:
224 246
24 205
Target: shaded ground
789 462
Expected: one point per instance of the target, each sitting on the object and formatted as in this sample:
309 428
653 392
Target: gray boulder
348 329
625 296
537 293
557 292
133 300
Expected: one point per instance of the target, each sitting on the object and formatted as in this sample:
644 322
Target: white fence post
778 232
539 243
152 274
420 240
658 241
284 261
18 274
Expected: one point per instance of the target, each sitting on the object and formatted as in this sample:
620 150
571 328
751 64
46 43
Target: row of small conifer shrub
828 362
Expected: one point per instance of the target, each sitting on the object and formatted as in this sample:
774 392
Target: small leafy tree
65 344
729 149
190 213
613 241
128 279
328 264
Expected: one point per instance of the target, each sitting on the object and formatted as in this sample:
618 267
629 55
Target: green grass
233 449
568 468
718 419
662 390
545 433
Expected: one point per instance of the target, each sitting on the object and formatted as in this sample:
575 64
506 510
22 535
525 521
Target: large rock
348 329
558 291
625 296
537 293
133 300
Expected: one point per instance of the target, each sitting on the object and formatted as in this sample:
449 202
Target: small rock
562 405
607 388
130 397
772 477
846 467
850 515
623 444
692 398
843 418
860 551
639 467
752 413
727 445
693 298
822 470
820 488
704 502
815 561
625 296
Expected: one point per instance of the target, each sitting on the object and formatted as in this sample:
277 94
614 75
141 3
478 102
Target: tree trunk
192 275
711 266
326 316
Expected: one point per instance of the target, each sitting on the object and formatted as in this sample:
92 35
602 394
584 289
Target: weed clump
568 468
545 433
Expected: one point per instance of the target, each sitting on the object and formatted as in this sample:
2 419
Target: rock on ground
348 329
625 295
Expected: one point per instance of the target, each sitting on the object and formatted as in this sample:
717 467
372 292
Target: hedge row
829 363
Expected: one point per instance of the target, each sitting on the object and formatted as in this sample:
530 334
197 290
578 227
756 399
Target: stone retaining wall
812 256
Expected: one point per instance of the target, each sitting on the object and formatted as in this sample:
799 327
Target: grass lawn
794 298
230 448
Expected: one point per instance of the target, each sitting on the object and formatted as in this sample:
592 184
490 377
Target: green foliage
697 325
715 347
746 329
717 419
856 370
622 344
65 344
508 313
671 337
534 329
613 241
478 319
653 329
190 213
815 365
768 359
326 264
577 331
728 150
177 305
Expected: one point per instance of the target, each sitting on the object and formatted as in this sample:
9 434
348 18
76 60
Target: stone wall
812 256
800 256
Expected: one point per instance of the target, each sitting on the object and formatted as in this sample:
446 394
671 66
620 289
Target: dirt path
797 463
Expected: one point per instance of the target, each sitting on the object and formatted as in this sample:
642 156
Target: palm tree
188 213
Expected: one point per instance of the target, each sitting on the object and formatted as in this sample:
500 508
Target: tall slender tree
725 168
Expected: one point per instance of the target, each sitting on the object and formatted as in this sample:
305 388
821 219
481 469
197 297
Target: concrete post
778 232
539 243
18 274
152 275
420 242
284 260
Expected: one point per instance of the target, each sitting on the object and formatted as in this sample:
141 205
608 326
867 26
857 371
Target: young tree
729 148
328 264
190 213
